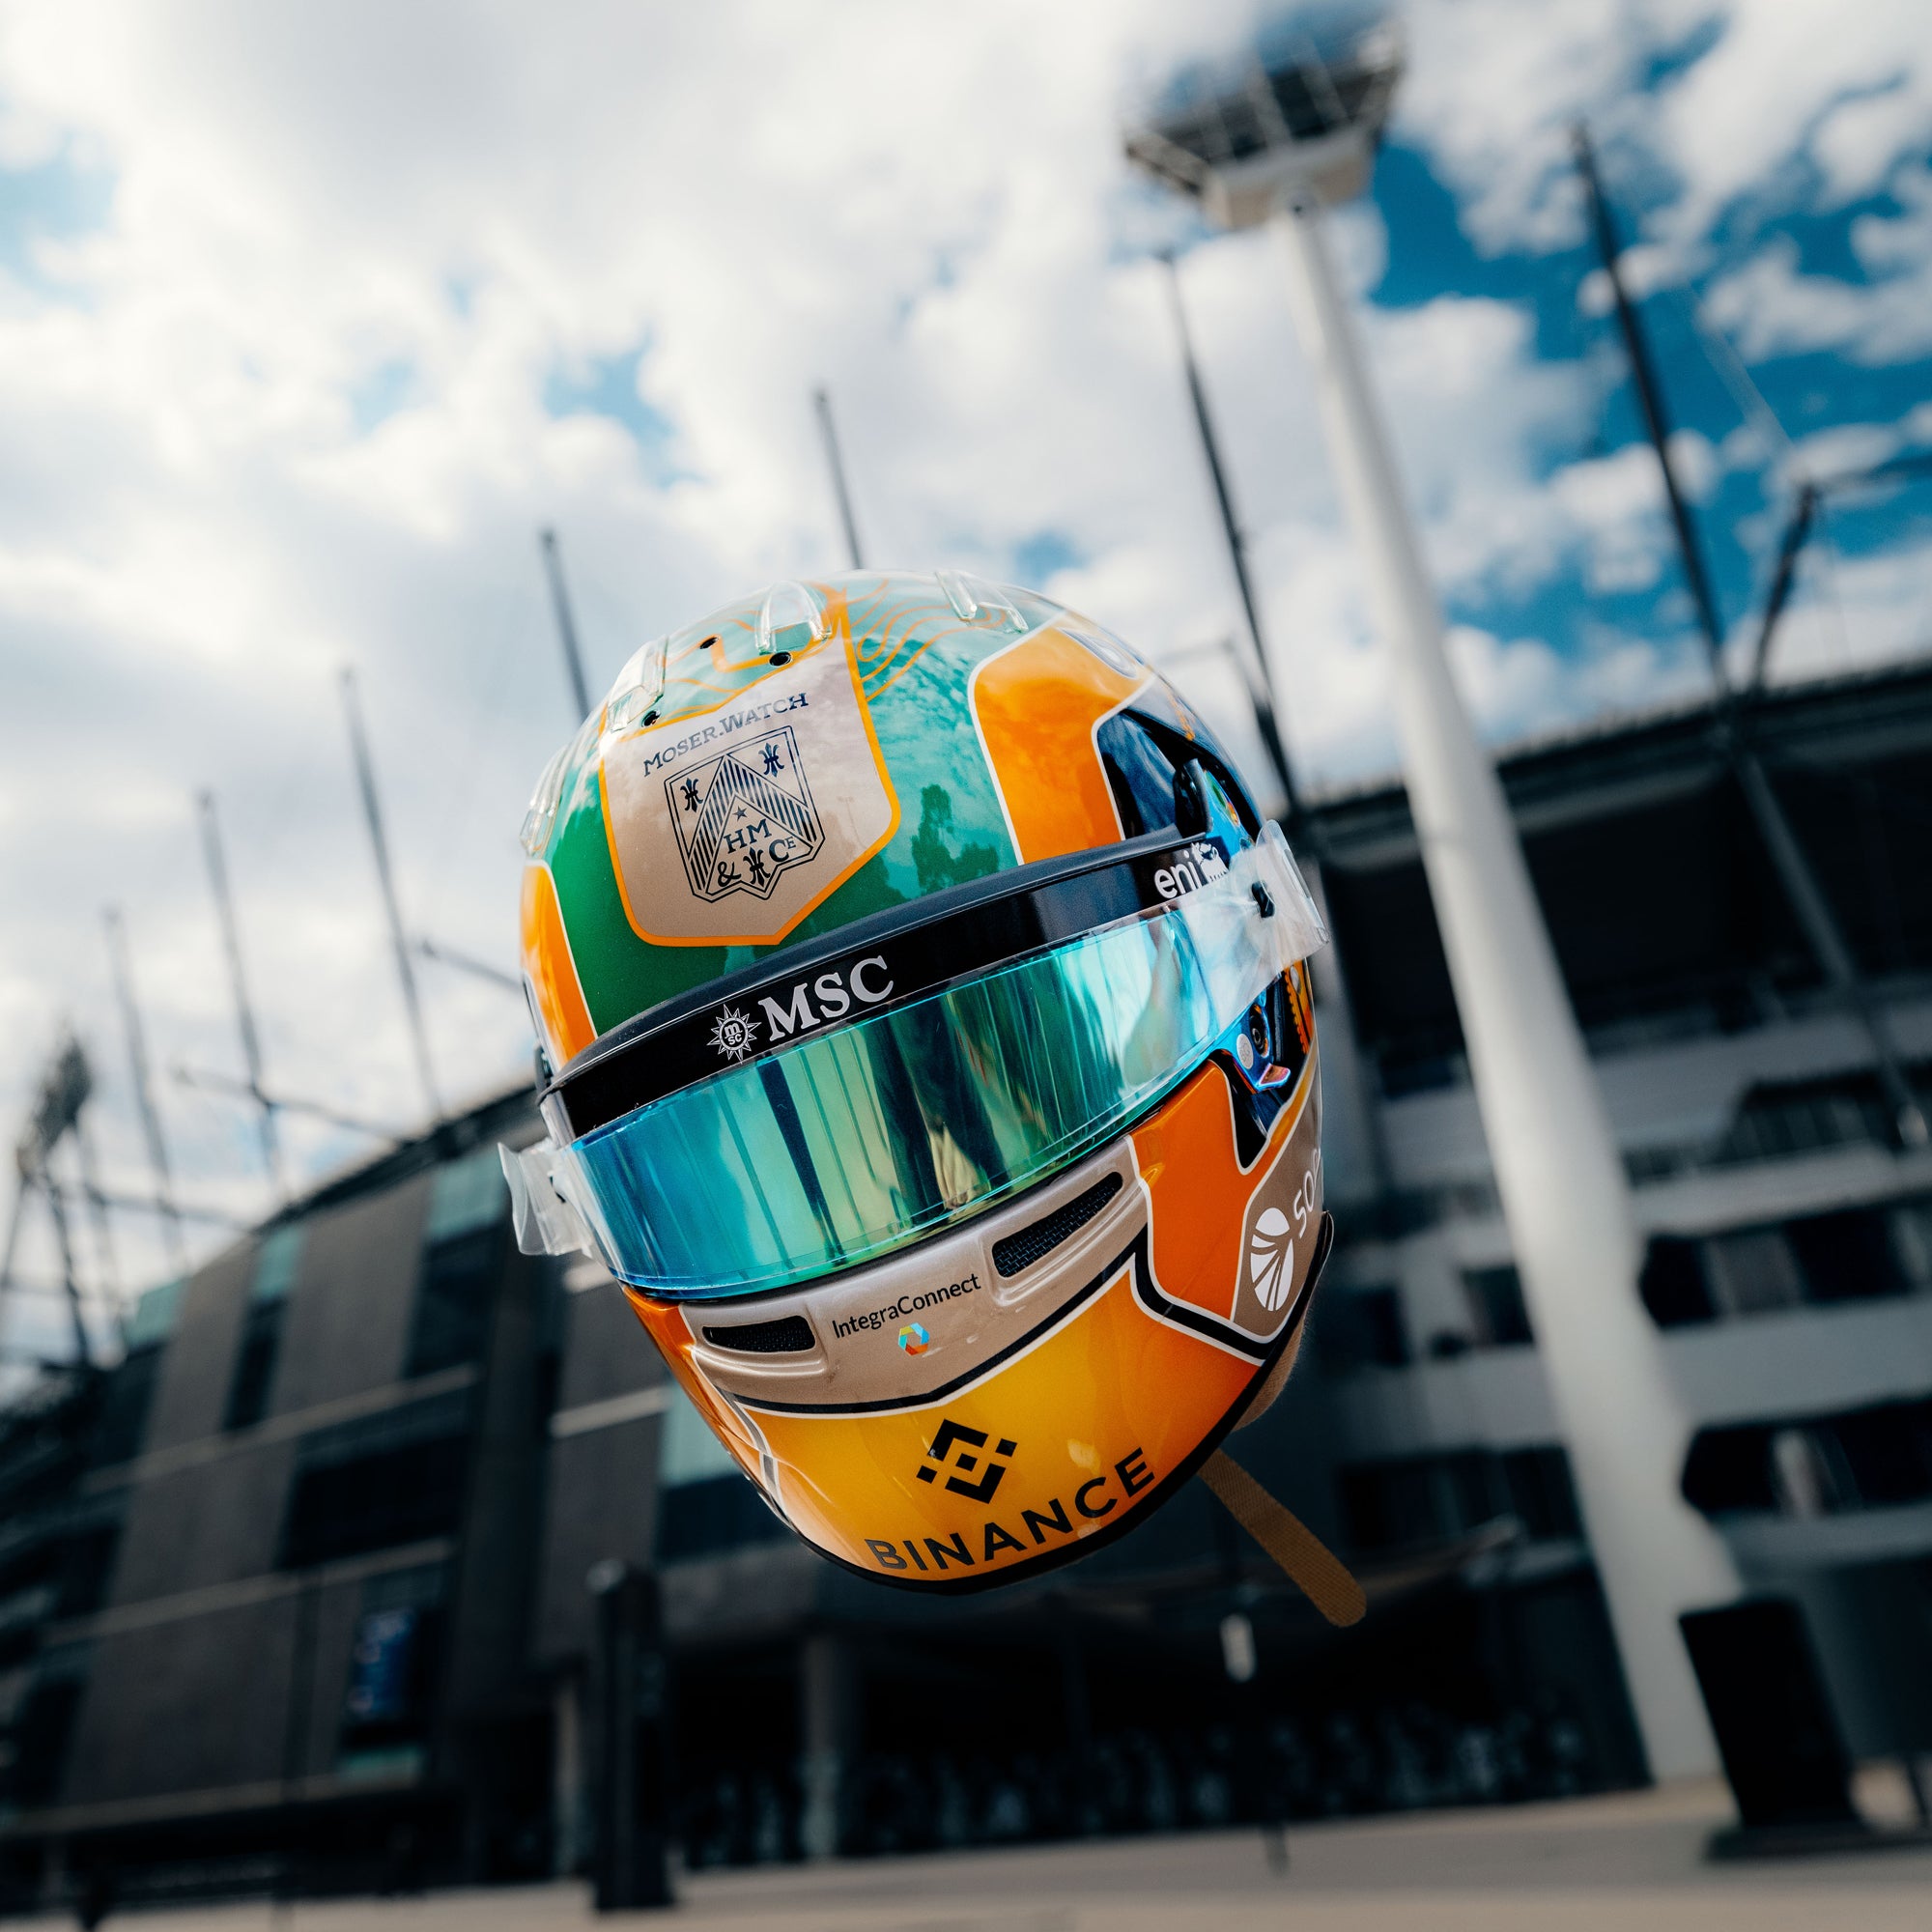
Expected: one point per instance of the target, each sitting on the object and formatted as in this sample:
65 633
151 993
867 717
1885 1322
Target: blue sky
1808 391
310 318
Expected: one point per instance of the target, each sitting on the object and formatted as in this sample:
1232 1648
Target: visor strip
815 991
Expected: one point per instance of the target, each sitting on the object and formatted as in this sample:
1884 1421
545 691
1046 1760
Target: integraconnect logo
915 1338
912 1302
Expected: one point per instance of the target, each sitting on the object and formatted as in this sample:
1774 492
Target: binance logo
971 1445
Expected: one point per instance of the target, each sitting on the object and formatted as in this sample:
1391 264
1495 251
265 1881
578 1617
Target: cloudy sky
310 317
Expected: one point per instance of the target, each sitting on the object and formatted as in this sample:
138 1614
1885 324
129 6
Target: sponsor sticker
729 826
974 1464
1284 1211
912 1302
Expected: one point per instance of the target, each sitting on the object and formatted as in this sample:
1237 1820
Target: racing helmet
928 1047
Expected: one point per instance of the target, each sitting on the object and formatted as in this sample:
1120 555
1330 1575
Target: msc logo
746 818
836 990
949 1433
732 1033
866 982
915 1338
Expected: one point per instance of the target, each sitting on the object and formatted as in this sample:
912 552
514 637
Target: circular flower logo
1272 1258
914 1339
734 1034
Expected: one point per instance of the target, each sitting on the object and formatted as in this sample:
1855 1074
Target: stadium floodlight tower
1280 144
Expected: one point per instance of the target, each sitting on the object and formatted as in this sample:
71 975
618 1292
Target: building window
29 1589
122 1425
707 1518
1389 1505
1752 1272
1413 1500
453 1298
1363 1327
389 1699
1497 1312
87 1567
254 1364
1672 1283
1871 1457
1541 1495
463 1250
379 1483
1853 1254
1849 1256
262 1326
43 1727
1911 1227
155 1315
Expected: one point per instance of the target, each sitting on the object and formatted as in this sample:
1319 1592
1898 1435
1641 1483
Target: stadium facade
297 1594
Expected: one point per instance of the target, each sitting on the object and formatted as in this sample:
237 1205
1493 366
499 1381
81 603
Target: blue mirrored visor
857 1141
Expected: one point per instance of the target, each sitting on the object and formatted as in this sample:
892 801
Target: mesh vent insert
1020 1251
790 1335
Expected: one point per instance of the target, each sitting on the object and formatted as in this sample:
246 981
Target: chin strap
1313 1569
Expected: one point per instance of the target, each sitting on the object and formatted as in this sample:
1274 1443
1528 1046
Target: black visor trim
871 967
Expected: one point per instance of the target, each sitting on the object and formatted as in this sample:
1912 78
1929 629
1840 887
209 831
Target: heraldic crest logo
746 818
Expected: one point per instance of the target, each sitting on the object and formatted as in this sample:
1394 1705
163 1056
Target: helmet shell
896 735
1000 1396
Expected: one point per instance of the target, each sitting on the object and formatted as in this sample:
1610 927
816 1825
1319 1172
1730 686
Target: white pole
1562 1184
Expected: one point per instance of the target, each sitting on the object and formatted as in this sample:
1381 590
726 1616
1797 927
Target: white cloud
1852 612
926 210
1771 307
1496 86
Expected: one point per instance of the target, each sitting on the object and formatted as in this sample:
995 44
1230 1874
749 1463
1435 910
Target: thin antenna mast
821 401
1259 679
144 1090
245 1017
566 624
372 810
1799 881
57 1207
64 1089
1802 514
22 1186
103 1230
1650 402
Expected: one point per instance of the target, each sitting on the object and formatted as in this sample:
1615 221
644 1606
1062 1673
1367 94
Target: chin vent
1020 1251
790 1336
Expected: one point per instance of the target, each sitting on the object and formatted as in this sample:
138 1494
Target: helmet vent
1020 1251
790 1335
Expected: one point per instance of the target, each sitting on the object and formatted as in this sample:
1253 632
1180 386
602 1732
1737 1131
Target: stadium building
295 1595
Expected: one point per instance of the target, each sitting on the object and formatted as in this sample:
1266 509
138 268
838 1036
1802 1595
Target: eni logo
914 1338
1272 1258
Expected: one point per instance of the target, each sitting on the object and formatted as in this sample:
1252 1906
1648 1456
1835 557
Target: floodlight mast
1258 676
244 1015
1280 146
386 879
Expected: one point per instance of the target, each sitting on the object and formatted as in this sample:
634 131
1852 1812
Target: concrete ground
1632 1863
